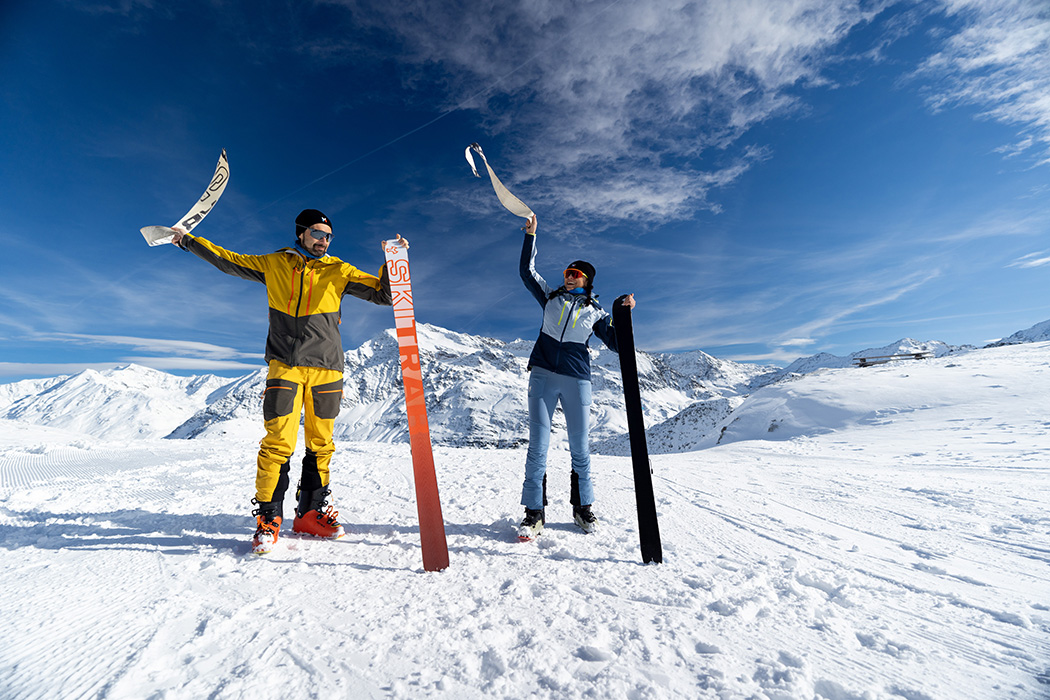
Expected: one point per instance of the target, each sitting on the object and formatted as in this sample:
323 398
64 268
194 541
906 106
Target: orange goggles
573 272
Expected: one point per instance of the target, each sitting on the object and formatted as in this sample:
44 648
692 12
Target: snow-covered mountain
475 392
1037 333
127 402
703 422
823 360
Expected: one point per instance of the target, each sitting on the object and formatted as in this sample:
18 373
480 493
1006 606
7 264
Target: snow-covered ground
889 538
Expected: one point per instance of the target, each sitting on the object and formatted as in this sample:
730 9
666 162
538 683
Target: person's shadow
125 529
181 534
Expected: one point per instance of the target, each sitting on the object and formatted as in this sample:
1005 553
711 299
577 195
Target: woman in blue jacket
560 370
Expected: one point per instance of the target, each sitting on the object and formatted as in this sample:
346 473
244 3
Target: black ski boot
584 517
531 526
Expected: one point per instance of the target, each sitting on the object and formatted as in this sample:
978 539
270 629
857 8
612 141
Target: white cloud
601 110
997 224
50 369
192 363
746 320
999 62
193 349
774 357
1032 260
165 355
835 313
54 369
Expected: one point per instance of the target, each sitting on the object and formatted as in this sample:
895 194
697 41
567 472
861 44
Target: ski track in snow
908 557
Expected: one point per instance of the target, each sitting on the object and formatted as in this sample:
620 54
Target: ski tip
157 235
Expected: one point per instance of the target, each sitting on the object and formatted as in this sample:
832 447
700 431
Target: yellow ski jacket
305 296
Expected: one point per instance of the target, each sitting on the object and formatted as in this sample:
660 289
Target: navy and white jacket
568 322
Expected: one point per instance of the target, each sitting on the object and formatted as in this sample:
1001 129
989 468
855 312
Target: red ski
428 503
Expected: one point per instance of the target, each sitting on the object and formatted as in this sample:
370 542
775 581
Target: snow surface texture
888 539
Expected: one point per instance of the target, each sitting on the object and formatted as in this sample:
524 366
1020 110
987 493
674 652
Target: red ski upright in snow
648 527
428 503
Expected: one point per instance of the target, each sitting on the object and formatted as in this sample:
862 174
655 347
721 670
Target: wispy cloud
998 224
161 354
800 304
797 342
50 369
837 312
54 369
192 364
89 296
999 62
1032 260
775 357
159 346
621 110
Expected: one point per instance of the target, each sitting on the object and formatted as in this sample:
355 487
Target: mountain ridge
476 391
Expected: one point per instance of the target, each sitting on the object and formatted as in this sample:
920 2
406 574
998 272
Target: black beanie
307 218
586 268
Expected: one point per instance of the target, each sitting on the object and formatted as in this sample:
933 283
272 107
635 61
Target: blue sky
771 180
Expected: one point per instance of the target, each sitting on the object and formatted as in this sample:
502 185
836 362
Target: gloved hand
530 226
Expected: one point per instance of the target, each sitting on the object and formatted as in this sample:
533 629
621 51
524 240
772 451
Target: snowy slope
945 389
900 552
13 391
703 422
685 431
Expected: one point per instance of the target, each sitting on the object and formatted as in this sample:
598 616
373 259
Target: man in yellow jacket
305 287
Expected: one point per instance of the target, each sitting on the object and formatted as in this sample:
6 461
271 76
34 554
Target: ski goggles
319 235
573 272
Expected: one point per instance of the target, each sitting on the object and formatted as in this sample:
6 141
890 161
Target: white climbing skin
161 235
514 205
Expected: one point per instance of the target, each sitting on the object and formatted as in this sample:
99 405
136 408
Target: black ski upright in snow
648 528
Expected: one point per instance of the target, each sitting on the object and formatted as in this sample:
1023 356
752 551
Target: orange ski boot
266 535
268 519
312 518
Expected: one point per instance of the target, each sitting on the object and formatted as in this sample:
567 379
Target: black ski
648 528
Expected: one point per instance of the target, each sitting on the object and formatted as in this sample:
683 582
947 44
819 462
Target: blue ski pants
546 388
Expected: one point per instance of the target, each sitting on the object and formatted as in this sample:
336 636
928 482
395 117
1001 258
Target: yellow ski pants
288 390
